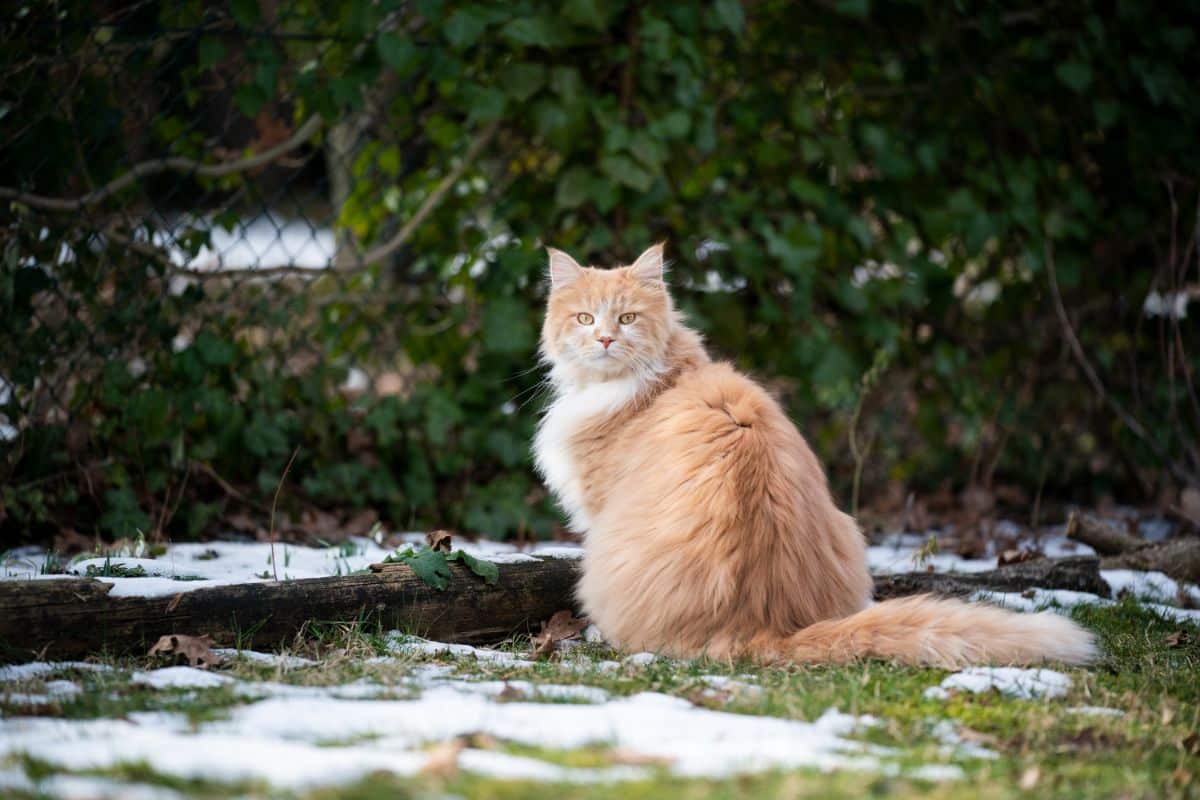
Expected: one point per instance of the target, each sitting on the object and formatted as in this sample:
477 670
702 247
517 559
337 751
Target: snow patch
1027 684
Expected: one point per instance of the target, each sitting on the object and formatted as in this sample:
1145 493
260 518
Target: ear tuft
650 266
563 268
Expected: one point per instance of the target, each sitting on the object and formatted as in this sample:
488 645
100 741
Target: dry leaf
438 540
1176 639
510 693
174 604
634 759
443 759
1029 778
196 649
1015 556
1189 503
563 625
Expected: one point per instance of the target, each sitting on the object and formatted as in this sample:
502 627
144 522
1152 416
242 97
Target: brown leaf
1015 556
174 604
361 523
1176 639
510 693
196 649
68 542
563 625
443 759
438 540
1189 503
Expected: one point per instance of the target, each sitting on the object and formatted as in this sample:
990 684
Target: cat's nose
605 340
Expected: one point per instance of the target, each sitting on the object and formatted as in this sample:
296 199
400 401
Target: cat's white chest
571 410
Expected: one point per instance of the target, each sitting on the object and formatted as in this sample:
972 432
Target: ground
352 711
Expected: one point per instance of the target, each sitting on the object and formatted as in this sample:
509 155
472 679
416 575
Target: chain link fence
186 300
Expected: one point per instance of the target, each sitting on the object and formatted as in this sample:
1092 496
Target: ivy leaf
484 569
464 28
397 52
1075 74
522 81
429 565
531 31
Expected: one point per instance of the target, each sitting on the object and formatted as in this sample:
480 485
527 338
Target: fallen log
72 617
1077 573
69 618
1179 557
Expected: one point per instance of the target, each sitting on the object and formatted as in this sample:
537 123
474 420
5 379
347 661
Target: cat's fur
708 523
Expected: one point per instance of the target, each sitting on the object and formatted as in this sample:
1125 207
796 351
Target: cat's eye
627 318
585 318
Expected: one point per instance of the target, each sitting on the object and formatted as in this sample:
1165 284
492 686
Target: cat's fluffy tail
937 632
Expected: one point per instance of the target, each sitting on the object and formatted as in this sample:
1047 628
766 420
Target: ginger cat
708 524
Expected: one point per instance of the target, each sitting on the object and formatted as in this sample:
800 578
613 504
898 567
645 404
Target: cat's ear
563 268
649 266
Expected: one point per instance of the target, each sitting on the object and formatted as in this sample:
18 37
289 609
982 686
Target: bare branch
379 252
173 164
1085 364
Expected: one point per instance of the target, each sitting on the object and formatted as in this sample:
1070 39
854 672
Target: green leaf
588 13
484 569
210 52
1075 74
521 81
397 52
464 27
625 171
730 14
531 31
427 564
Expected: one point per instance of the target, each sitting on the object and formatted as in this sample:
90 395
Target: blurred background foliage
957 239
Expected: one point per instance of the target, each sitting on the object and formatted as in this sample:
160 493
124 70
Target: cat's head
607 323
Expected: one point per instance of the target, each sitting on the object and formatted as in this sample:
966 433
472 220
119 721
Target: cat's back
716 400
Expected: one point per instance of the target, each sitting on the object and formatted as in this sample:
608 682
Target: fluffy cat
708 524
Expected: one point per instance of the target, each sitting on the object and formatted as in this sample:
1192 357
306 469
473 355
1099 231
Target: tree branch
1085 364
174 164
379 252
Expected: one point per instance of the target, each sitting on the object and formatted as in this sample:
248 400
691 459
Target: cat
708 524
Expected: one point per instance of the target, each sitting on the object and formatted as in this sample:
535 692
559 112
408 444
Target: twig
226 486
172 164
1085 364
379 252
274 503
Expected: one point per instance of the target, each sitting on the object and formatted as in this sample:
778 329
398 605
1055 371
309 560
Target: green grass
1148 672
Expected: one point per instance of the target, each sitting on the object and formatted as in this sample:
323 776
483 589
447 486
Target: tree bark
72 617
1179 558
1078 573
69 618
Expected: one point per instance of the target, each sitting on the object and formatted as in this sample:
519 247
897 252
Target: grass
1149 672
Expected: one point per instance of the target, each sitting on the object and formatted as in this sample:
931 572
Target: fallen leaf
563 625
196 649
1189 503
1191 745
443 759
1029 779
631 758
1176 639
174 604
438 540
1015 556
510 693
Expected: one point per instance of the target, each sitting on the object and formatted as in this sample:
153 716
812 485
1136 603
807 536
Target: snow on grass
1096 711
1026 684
316 738
190 566
38 669
1063 600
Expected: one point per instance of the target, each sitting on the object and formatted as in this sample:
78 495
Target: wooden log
1179 558
69 618
1077 573
1104 536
